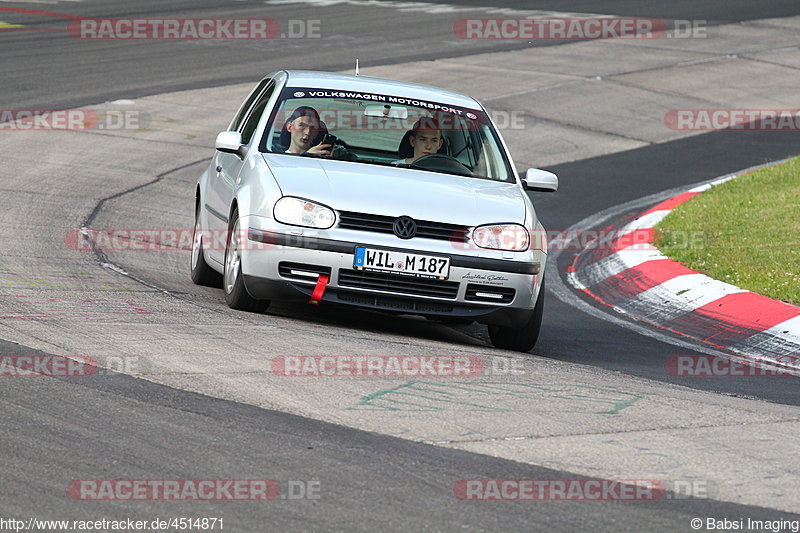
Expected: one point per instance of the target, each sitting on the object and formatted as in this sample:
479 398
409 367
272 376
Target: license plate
417 265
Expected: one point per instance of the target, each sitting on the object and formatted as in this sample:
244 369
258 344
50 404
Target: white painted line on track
39 1
647 221
433 9
701 188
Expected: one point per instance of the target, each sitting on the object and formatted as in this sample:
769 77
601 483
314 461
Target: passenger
425 138
305 127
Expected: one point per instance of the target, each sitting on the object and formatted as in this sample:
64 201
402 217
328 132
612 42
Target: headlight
299 212
502 237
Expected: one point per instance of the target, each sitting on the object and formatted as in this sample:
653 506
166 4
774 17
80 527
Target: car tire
202 274
524 338
236 295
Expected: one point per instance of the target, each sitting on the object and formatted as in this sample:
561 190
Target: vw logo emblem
405 227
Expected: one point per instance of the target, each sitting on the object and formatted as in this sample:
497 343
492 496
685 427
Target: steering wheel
341 150
442 163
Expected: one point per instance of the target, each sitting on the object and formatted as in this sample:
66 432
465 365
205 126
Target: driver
425 139
303 126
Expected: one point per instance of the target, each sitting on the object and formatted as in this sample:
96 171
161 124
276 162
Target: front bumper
281 266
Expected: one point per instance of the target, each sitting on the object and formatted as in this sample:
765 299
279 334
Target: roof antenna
356 66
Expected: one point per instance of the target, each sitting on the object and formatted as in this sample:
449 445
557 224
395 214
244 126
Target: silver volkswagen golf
367 192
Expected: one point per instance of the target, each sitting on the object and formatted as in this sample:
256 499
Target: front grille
383 224
301 272
401 284
481 293
395 304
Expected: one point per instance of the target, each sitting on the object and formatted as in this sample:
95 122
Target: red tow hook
319 290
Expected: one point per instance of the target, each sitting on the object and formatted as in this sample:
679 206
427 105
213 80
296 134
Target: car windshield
381 129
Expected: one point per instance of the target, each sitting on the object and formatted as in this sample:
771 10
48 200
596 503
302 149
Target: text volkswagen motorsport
372 193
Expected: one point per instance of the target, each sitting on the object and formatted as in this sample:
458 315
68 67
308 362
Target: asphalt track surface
714 12
57 430
88 73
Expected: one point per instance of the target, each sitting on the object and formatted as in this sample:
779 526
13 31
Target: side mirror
230 142
540 180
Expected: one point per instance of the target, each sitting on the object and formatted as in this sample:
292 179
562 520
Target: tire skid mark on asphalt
50 307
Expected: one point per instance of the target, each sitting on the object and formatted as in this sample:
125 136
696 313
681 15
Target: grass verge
745 232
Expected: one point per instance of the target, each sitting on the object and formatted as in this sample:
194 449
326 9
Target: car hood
384 190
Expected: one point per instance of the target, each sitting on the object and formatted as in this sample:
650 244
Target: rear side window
251 122
237 120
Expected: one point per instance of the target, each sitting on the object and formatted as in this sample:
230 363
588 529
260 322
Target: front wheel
524 338
202 274
236 295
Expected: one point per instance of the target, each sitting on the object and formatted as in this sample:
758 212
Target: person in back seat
425 138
